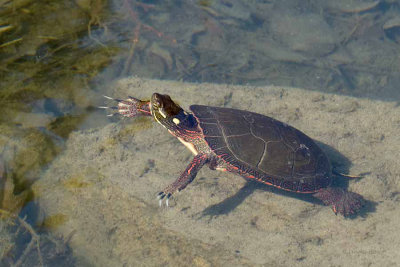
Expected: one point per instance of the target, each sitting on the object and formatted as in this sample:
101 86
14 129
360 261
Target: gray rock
306 33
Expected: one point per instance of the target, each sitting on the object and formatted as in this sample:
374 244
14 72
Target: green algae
28 152
11 203
45 53
48 61
83 179
204 3
76 182
129 130
140 124
63 126
31 158
54 221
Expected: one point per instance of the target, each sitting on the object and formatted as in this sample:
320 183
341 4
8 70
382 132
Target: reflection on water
343 47
57 56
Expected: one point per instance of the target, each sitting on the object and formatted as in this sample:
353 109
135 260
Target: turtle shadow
229 204
339 162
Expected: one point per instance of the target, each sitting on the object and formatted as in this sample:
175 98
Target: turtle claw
105 107
108 97
114 99
161 196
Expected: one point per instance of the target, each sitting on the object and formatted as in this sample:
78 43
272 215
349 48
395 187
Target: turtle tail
342 201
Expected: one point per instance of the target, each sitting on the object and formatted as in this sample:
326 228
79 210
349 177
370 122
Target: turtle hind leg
342 201
185 179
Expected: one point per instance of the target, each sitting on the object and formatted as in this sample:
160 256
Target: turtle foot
130 107
342 201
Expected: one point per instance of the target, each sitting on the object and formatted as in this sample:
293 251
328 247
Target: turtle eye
157 104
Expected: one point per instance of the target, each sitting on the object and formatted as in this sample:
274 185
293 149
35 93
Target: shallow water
58 57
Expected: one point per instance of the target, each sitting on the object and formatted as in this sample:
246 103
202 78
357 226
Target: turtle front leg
185 179
131 107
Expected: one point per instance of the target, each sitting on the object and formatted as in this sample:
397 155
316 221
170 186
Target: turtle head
163 109
171 115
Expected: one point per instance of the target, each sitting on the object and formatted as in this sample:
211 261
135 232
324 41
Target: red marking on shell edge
264 182
277 186
334 209
190 170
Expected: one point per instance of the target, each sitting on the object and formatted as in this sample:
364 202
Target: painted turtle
248 144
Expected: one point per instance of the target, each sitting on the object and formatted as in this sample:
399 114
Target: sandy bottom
105 183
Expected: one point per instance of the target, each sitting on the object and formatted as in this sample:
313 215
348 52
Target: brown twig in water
10 42
95 10
136 32
35 239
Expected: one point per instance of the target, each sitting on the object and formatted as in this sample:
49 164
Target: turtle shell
260 147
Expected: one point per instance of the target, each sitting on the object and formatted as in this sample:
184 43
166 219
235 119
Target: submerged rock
306 33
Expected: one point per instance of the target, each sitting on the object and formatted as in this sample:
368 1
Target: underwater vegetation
49 53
